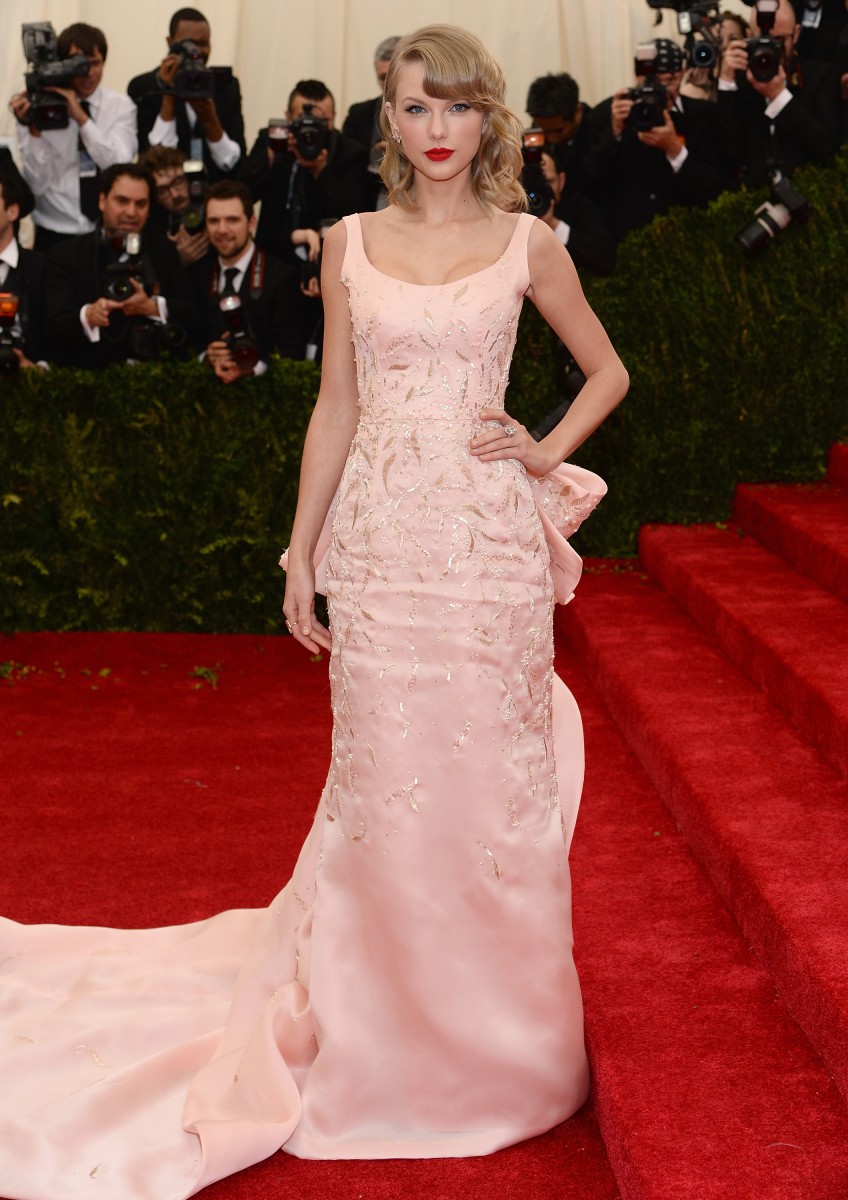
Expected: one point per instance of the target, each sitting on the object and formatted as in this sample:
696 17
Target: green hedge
153 498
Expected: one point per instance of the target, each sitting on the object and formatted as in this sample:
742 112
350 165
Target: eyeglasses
175 185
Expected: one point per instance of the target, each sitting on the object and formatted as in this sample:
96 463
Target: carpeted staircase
711 859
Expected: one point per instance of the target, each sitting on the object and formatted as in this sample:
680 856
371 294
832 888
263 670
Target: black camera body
147 340
193 79
540 196
650 101
765 54
10 340
118 282
242 341
311 133
193 216
47 69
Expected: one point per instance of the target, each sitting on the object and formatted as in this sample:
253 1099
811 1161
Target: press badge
812 17
87 165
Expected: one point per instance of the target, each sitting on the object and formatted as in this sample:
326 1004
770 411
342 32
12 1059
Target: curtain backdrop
272 44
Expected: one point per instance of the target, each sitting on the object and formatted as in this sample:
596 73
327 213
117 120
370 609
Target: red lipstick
438 155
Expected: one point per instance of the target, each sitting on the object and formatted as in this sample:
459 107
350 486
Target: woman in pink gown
411 991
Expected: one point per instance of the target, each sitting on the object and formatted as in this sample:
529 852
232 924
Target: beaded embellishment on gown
411 991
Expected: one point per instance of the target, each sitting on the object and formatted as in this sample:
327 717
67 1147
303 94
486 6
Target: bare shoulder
335 241
548 260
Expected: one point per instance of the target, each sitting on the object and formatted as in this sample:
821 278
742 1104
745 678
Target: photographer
253 301
109 299
362 124
319 175
62 165
176 214
578 222
555 107
22 340
782 113
186 104
649 147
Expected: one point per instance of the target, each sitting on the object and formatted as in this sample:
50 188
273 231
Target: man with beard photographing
254 305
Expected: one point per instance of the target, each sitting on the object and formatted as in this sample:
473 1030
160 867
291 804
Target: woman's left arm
555 290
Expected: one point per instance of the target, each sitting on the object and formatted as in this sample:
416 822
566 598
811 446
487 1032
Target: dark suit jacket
8 166
362 123
305 201
569 156
807 130
633 182
590 242
281 316
147 94
76 271
27 283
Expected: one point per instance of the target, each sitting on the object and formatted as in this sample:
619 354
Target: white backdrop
273 43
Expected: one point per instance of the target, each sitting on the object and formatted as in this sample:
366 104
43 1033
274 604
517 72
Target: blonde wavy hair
457 66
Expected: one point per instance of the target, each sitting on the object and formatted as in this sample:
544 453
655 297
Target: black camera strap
257 276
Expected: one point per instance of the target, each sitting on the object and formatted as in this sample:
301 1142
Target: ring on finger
289 626
510 431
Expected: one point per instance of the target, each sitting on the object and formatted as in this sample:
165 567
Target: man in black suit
149 306
210 129
300 190
362 123
261 293
636 174
21 276
783 122
578 222
555 107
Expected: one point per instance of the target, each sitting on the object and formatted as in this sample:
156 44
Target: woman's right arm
328 440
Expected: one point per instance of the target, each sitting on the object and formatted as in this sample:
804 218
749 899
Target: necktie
89 175
229 288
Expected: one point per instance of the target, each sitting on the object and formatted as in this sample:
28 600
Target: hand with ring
510 440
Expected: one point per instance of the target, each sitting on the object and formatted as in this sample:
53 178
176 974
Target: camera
10 340
243 346
193 216
540 196
785 205
765 54
119 276
148 339
47 69
650 99
193 79
311 133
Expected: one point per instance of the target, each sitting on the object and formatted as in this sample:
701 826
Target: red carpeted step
807 524
158 778
762 811
783 631
704 1085
837 466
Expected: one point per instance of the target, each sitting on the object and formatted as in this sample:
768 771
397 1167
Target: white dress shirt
51 163
225 152
9 258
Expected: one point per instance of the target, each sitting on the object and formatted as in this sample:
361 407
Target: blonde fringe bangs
458 66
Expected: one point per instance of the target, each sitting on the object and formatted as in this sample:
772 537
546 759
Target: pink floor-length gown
411 991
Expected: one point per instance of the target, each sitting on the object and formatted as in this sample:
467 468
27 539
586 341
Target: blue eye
461 106
415 108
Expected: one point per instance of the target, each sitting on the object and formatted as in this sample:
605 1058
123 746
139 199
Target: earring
396 135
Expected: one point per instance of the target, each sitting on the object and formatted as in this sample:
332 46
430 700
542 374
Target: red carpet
136 793
710 861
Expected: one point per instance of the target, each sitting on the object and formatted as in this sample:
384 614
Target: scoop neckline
453 282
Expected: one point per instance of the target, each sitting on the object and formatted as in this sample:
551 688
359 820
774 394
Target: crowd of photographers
146 238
